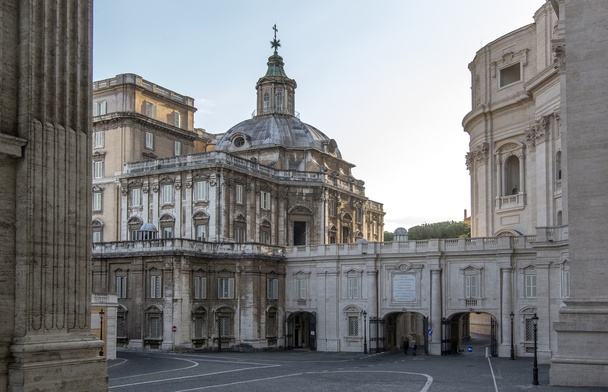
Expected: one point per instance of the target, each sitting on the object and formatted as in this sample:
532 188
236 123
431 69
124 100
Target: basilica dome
275 123
276 130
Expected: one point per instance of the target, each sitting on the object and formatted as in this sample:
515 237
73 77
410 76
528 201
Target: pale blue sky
387 79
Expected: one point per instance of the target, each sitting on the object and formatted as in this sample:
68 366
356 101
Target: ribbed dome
277 130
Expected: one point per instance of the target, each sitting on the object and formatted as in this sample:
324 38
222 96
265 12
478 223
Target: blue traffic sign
430 331
470 349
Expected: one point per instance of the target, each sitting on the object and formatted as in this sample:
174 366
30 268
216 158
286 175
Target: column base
57 362
582 344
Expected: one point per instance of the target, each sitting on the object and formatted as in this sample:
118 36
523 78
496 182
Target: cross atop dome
275 43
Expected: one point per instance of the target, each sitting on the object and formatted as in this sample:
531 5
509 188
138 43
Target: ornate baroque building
261 242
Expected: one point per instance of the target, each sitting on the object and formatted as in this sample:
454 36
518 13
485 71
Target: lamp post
512 316
101 313
364 332
535 369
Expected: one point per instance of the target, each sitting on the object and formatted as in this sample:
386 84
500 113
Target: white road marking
187 377
493 378
162 371
427 385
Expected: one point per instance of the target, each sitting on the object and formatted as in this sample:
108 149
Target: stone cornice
116 117
11 146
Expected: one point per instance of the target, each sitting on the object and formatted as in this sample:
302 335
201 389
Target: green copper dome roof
275 66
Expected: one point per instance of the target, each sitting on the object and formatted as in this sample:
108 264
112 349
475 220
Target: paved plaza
315 371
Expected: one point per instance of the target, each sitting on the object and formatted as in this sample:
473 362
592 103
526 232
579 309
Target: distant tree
448 229
388 236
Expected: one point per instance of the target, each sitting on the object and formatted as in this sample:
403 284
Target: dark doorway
299 233
302 330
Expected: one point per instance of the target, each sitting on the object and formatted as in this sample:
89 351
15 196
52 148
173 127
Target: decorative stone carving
558 46
478 154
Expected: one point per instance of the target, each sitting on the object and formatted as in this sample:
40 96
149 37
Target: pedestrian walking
413 346
405 346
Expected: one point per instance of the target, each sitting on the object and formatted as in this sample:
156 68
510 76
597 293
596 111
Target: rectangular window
98 169
353 288
332 208
353 326
149 140
201 191
301 287
271 324
100 108
225 329
265 237
154 323
265 200
177 119
239 193
97 236
155 286
471 286
239 234
121 325
225 288
201 232
200 287
98 139
121 286
150 109
166 194
177 149
529 330
135 197
199 326
359 215
510 74
530 286
167 232
97 201
272 287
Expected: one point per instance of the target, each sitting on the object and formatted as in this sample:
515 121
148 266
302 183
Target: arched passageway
470 333
301 330
396 329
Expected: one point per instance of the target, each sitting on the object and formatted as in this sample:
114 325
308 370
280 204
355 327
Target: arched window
199 316
167 226
121 324
265 232
279 101
558 166
134 224
97 231
271 322
559 219
154 326
512 176
266 102
201 226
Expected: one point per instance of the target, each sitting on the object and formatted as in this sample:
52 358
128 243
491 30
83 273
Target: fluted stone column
45 101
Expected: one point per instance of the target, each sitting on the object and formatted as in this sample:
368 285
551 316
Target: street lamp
512 315
364 332
101 313
535 369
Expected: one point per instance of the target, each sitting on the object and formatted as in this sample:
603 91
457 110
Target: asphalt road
313 371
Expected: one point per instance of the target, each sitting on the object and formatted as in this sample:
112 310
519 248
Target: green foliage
448 229
388 236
